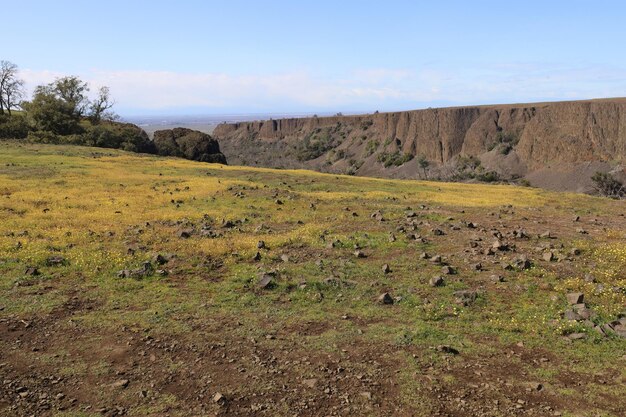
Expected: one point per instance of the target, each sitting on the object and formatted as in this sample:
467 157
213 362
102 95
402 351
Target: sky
234 57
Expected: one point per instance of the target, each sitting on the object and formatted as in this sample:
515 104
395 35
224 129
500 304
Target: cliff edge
556 145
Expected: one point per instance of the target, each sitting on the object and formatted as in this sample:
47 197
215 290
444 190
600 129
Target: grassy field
94 322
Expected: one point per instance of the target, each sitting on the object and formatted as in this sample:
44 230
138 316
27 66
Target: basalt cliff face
556 145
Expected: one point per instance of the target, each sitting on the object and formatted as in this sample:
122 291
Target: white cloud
374 88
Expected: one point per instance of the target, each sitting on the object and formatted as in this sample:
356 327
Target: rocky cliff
559 140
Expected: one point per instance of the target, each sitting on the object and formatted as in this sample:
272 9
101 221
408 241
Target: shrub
43 136
489 176
607 186
394 159
365 124
189 144
124 136
315 145
13 127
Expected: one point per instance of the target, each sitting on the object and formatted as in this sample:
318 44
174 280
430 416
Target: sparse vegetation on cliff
607 186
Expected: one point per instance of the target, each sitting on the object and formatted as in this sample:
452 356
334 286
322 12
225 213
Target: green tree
49 112
58 107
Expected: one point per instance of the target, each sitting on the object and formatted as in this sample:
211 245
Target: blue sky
166 57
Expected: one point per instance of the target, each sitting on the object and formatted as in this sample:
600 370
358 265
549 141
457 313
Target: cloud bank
139 91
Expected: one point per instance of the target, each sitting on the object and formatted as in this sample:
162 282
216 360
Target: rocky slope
555 145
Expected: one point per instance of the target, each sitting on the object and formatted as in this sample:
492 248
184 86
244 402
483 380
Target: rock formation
556 145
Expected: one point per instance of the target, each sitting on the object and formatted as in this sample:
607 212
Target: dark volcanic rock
189 144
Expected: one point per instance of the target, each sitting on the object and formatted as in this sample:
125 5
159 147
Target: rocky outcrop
513 140
189 144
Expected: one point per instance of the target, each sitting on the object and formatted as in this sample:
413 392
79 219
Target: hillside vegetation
138 285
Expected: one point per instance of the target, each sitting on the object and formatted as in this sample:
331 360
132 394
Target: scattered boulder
496 278
267 280
575 298
521 262
377 215
386 269
465 297
499 245
163 258
448 270
146 270
185 233
32 271
121 383
447 349
385 298
56 261
437 281
219 399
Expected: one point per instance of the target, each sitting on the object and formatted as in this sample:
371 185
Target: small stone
465 297
436 281
572 316
218 398
260 244
359 254
548 256
122 383
32 271
386 269
499 245
257 257
576 336
447 349
575 298
385 298
496 278
266 281
185 234
56 261
311 383
447 270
